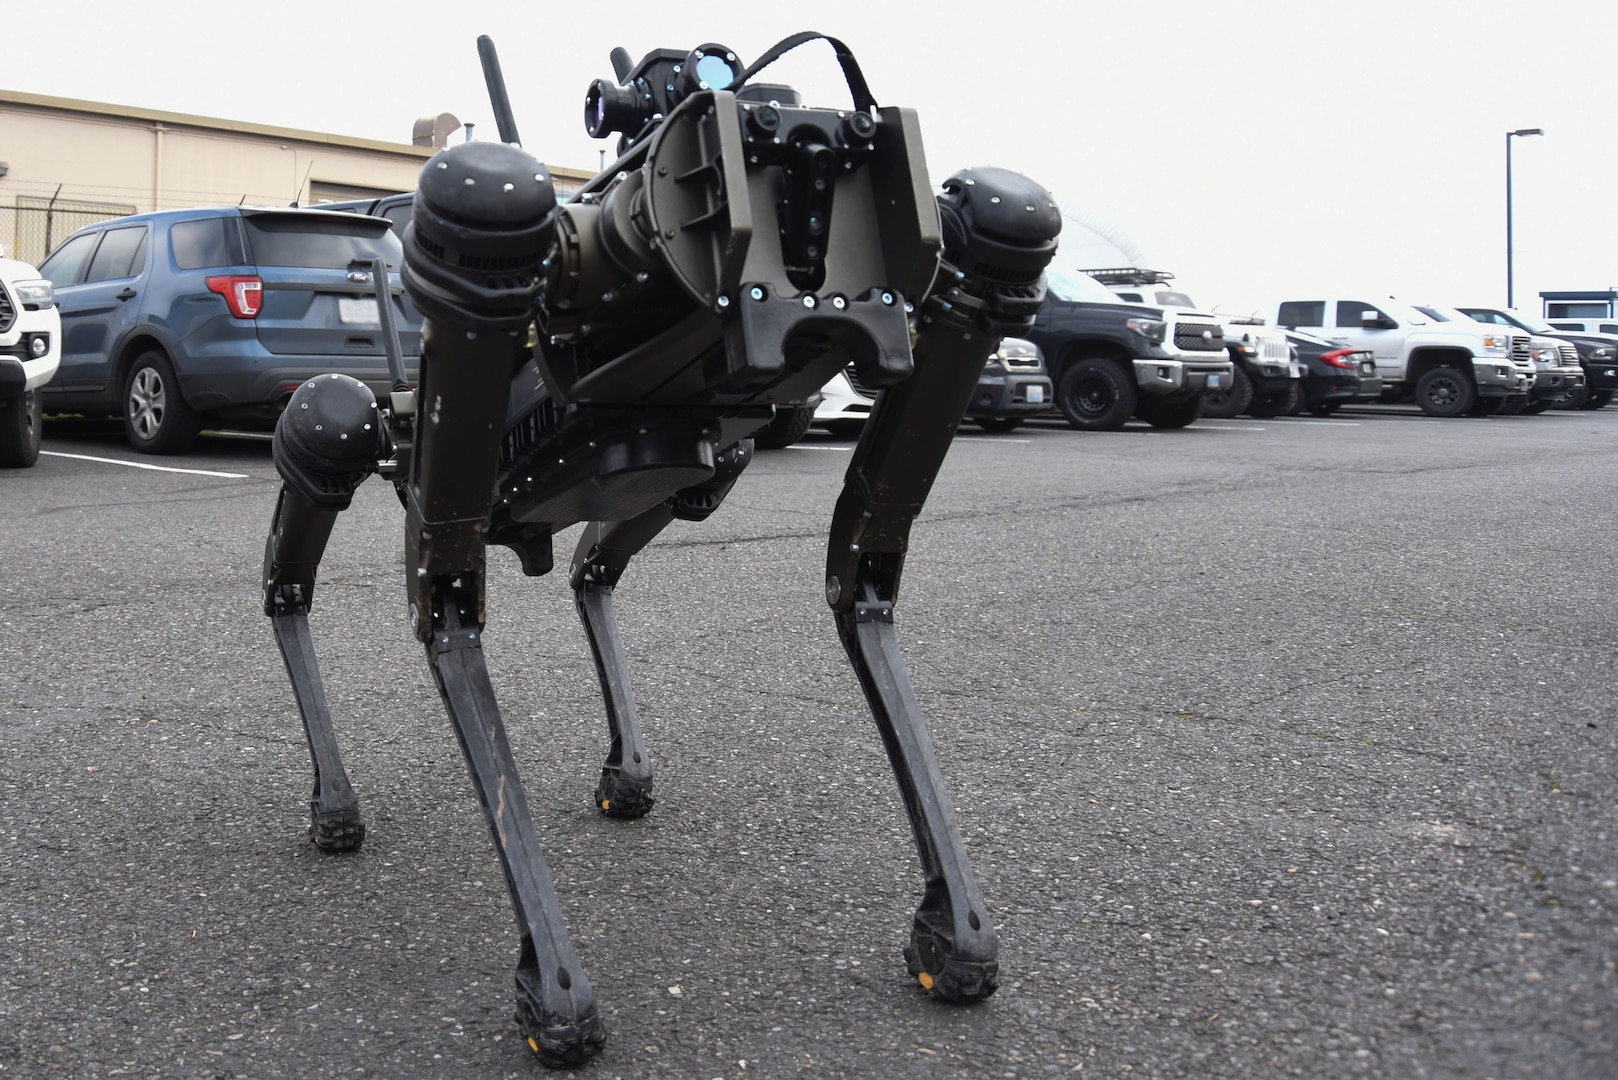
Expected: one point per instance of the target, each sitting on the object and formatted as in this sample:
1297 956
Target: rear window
1302 313
215 241
287 240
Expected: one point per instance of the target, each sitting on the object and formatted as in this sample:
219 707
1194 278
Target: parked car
1443 367
1264 377
1013 386
1111 360
30 352
1597 351
396 208
1334 375
182 318
1557 374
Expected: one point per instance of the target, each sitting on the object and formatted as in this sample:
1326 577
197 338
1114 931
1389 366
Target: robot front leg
999 234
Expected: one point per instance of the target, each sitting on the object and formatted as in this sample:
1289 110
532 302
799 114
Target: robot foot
622 796
336 830
956 979
559 1041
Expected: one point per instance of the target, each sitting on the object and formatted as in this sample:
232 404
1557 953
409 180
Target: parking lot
1281 747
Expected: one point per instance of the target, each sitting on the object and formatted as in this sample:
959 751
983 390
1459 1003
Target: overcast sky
1259 150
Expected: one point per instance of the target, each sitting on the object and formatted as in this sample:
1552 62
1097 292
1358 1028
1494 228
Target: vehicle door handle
126 293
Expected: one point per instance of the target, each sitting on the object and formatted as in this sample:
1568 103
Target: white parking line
816 446
143 465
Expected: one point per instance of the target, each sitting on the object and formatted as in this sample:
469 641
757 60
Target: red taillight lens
244 295
1336 358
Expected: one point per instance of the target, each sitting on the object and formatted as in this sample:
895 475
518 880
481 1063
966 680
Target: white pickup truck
1445 368
30 352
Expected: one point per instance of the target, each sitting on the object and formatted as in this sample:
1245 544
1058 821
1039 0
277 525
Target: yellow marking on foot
926 981
605 803
532 1045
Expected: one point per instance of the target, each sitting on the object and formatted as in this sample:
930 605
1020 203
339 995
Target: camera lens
609 109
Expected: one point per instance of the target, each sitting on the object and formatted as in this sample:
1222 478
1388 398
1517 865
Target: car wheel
156 418
1097 395
1324 408
1595 399
1281 403
1445 391
789 425
20 423
997 424
1226 403
1170 414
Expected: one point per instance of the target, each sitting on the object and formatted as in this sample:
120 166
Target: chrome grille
1569 355
8 310
1521 351
1188 336
1021 363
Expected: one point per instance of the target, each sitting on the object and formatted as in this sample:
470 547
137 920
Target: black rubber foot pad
959 982
621 797
338 830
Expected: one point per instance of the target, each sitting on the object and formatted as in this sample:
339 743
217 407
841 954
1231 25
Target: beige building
67 163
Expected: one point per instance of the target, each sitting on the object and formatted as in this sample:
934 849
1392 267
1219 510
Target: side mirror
1375 320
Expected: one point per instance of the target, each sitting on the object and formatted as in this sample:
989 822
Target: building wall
69 163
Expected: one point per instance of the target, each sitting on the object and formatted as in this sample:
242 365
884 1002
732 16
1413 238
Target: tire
1596 399
1170 414
1097 395
790 424
21 420
997 424
1324 408
1283 403
1488 406
1228 403
1575 400
1445 392
156 418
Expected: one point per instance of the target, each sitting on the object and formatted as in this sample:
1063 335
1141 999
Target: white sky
1258 149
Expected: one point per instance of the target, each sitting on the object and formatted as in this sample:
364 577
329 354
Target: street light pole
1510 294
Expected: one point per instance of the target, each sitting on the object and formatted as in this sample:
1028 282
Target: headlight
1495 343
1605 352
1150 329
35 294
1545 354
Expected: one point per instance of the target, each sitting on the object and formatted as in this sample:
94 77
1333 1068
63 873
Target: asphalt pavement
1281 748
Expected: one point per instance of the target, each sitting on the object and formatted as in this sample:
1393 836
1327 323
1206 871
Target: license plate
1213 382
358 309
1036 395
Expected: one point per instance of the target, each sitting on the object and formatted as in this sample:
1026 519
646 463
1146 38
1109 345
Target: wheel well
135 346
1424 360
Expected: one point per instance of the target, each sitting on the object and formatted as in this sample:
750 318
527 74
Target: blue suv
182 319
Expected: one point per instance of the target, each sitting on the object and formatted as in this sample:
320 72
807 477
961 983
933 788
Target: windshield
1077 288
1403 312
1442 313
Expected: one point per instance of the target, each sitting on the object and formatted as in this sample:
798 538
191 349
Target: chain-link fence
34 227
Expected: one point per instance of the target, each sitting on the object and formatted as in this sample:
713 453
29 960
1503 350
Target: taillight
244 295
1335 358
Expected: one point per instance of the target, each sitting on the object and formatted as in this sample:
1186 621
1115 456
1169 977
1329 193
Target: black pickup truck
1111 361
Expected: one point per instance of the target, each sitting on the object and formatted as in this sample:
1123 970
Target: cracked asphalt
1281 748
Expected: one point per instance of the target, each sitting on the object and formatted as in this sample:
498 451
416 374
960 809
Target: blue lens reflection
713 71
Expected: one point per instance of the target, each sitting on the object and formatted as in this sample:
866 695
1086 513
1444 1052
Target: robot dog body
741 250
